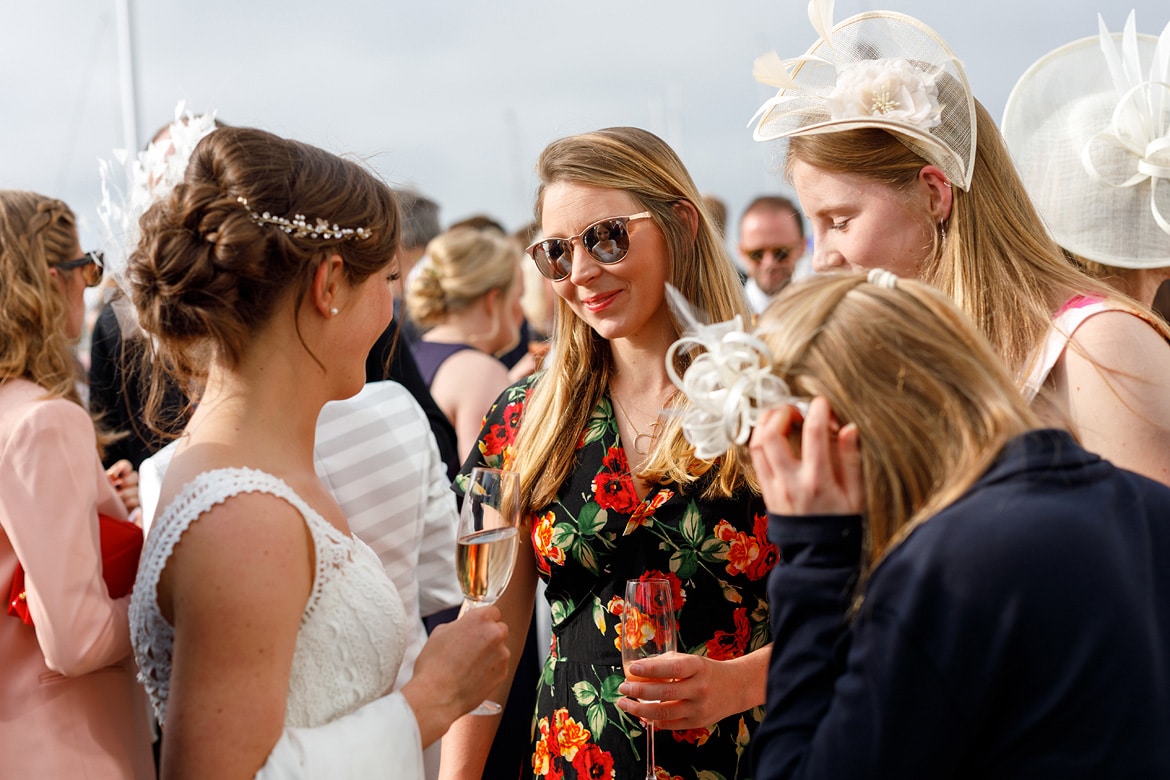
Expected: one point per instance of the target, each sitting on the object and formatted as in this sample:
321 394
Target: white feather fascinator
131 186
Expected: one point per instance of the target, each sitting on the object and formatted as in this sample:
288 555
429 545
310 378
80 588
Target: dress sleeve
380 739
501 424
857 695
438 583
53 485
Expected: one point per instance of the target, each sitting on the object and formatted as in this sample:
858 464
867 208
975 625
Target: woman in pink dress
69 703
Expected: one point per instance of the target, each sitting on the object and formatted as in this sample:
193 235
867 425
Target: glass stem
650 763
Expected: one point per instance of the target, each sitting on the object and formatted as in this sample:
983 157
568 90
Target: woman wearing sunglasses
612 491
68 698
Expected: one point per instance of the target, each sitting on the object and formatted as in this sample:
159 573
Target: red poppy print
494 441
678 596
692 736
769 555
593 763
727 644
613 487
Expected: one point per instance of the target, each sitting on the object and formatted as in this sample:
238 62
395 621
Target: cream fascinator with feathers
1088 126
131 185
876 69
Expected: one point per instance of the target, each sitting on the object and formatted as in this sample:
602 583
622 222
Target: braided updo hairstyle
206 274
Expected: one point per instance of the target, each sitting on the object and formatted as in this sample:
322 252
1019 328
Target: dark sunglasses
607 241
93 263
781 254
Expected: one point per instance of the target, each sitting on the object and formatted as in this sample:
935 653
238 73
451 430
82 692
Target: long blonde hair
580 366
997 261
933 403
36 233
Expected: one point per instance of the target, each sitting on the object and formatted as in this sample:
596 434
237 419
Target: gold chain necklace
638 435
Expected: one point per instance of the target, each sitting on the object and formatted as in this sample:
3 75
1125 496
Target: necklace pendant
649 437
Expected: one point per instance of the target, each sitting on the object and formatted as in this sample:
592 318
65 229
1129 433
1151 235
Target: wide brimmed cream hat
1088 126
876 69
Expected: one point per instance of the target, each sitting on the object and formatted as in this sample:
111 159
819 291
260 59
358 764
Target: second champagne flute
647 630
487 539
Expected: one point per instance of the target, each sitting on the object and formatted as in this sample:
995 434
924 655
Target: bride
267 635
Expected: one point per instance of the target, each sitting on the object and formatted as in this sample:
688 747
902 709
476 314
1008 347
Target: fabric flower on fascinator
131 186
894 89
728 385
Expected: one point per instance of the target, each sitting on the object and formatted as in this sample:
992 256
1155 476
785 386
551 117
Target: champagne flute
487 539
648 630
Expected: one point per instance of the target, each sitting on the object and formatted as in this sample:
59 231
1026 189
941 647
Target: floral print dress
597 535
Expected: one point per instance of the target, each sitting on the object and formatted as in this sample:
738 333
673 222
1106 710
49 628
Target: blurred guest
467 296
69 702
771 242
390 359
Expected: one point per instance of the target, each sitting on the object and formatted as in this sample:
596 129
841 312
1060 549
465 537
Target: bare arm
465 387
235 588
1114 378
466 745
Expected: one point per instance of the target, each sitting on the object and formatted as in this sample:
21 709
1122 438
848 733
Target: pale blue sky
458 98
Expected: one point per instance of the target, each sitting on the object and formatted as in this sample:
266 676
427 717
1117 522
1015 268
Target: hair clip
882 278
299 227
728 386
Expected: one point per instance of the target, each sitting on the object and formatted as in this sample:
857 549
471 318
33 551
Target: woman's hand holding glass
461 663
647 631
488 536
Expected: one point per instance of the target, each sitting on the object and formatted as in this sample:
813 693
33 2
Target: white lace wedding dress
350 644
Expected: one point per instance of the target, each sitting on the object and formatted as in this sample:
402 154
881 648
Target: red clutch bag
121 548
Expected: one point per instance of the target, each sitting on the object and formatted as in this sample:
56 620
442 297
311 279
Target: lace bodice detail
352 632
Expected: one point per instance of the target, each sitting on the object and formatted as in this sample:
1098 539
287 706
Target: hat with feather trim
877 69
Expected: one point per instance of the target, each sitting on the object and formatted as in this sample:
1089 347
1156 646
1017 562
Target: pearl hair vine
300 227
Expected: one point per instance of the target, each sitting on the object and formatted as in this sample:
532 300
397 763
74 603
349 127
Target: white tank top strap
1064 325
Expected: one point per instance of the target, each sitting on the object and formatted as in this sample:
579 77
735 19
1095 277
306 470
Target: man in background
771 241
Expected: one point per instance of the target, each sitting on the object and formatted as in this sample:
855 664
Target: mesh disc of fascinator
728 385
876 69
1088 126
130 186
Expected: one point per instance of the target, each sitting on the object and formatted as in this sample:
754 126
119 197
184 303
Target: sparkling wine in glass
648 629
487 539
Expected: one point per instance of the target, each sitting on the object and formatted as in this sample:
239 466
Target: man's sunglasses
607 241
92 263
781 254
